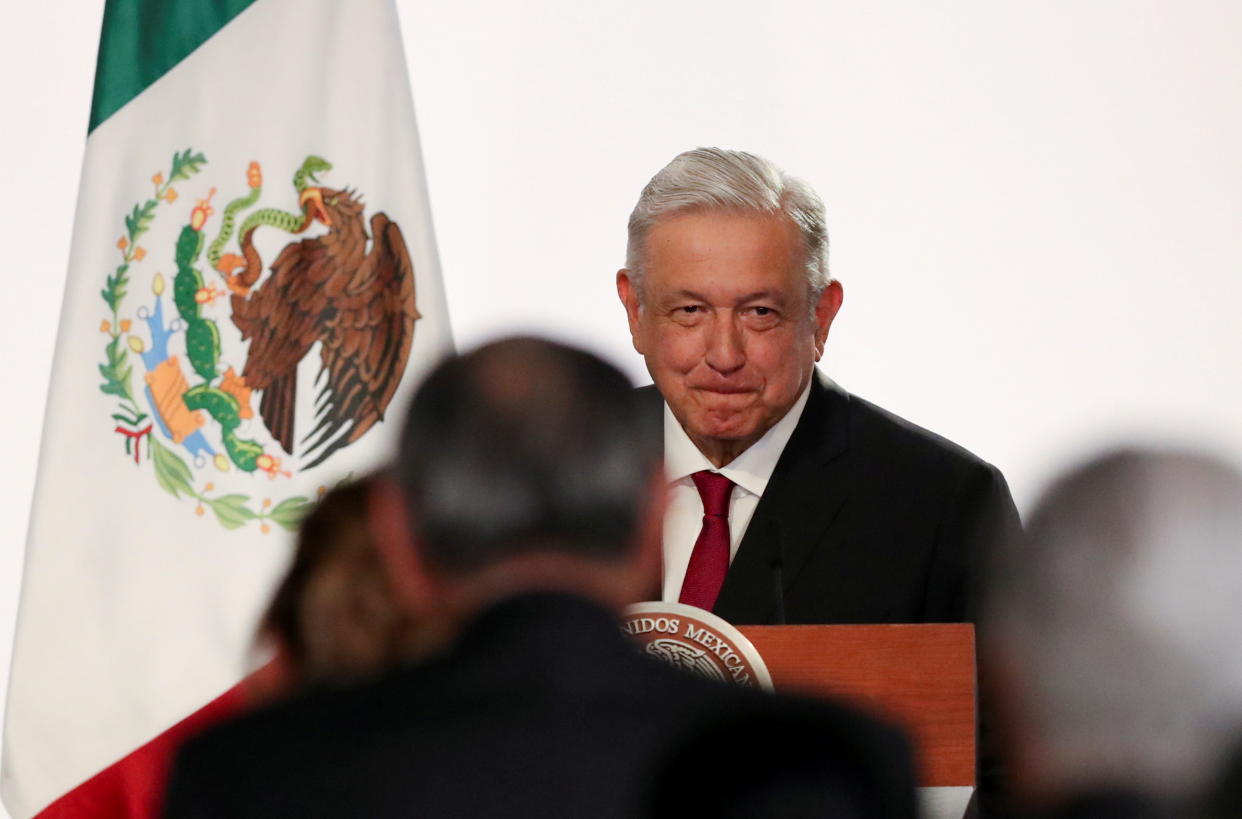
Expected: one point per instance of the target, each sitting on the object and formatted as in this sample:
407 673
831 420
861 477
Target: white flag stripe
135 611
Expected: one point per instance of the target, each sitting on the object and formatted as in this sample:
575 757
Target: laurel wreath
173 475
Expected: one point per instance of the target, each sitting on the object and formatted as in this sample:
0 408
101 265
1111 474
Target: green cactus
202 336
202 345
188 280
222 406
225 409
244 453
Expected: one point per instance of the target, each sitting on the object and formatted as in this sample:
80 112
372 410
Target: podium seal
696 640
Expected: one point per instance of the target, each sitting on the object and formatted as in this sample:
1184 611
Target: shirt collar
751 470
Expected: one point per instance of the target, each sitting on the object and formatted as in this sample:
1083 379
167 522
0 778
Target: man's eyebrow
774 295
759 295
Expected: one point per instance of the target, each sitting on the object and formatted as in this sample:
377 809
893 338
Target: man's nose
725 350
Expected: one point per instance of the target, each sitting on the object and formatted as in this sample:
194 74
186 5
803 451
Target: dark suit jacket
541 709
1110 804
867 519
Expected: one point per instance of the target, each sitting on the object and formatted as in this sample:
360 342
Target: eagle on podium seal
696 641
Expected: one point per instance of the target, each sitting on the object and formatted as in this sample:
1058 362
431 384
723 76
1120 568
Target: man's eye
761 317
687 315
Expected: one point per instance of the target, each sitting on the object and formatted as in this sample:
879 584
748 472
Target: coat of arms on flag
253 291
327 290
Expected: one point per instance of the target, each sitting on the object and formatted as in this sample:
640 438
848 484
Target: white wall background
1035 208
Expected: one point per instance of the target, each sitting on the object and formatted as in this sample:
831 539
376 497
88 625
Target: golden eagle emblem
358 302
341 290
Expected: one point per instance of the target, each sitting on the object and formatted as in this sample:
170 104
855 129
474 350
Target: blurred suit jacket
867 519
542 708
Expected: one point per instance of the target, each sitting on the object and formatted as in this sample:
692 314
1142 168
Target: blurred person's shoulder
313 713
311 744
540 688
780 755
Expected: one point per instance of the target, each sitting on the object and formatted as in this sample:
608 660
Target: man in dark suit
791 500
528 511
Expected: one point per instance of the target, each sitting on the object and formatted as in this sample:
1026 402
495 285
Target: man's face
724 324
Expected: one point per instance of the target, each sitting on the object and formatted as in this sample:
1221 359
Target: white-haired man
791 500
1113 633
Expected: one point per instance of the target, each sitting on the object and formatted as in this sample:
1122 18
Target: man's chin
731 427
726 410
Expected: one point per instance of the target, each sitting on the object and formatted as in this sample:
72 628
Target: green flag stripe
142 40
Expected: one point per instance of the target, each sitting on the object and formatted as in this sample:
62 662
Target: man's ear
825 311
627 291
399 550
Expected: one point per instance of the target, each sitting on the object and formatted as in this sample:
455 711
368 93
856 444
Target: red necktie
710 559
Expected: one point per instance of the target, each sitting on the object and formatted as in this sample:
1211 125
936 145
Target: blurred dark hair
526 445
334 616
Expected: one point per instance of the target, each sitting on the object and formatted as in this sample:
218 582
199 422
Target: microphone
776 562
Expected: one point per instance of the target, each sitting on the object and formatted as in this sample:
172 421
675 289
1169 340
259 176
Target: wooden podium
921 677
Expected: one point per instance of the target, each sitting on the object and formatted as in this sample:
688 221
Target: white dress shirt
749 472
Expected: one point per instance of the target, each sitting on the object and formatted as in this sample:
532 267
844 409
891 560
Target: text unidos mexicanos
733 662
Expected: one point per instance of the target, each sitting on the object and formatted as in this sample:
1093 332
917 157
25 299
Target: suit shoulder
299 722
730 704
648 401
214 749
843 719
649 393
877 430
767 748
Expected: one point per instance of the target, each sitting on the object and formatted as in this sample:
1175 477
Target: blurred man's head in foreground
526 464
1117 627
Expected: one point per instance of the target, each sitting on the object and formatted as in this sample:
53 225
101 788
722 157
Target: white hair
1123 614
715 179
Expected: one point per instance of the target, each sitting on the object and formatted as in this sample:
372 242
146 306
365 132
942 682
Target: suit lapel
796 508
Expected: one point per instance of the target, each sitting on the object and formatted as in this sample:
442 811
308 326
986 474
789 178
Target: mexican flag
253 293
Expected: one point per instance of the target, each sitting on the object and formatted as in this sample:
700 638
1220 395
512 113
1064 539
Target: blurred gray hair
715 179
1124 616
526 445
